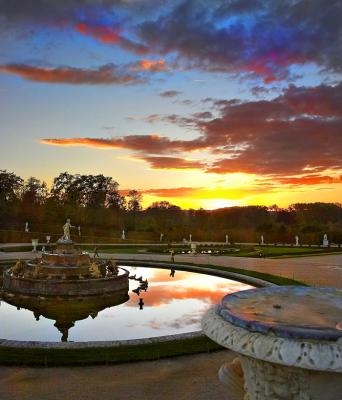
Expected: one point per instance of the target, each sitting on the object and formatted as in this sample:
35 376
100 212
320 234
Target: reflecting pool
160 302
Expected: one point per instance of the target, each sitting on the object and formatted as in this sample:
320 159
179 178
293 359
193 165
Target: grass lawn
272 251
219 250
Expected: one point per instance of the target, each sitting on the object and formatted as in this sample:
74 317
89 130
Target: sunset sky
202 103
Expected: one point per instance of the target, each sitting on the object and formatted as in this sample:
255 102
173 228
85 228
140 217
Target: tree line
95 203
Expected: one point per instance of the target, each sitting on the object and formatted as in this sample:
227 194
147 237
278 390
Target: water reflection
160 302
65 312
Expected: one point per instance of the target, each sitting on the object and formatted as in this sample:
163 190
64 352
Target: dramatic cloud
149 144
287 135
297 133
263 39
254 38
108 74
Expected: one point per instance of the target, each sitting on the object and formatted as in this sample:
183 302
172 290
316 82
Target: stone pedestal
288 341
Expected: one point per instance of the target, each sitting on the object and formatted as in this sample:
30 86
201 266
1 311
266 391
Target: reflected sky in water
172 305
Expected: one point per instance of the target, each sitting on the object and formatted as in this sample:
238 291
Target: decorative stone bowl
288 340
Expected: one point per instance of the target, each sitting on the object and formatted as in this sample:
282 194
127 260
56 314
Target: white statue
79 231
48 238
27 229
161 237
35 244
66 229
297 240
190 237
227 239
262 239
325 240
123 235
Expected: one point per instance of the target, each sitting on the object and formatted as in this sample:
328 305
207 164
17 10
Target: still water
170 305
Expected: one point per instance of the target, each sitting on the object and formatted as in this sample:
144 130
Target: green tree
134 201
34 191
11 186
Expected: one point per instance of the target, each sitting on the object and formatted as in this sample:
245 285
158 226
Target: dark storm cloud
52 11
249 37
280 35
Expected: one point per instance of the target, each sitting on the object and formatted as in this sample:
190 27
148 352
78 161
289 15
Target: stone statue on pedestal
297 240
66 229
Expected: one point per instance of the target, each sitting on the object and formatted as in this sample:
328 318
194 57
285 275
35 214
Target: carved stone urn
288 342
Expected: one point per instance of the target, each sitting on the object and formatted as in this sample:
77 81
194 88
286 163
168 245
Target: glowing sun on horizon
221 203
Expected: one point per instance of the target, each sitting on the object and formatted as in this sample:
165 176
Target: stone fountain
65 271
288 341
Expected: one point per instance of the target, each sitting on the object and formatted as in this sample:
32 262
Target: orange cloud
111 35
149 144
105 34
99 143
151 65
105 74
309 180
172 162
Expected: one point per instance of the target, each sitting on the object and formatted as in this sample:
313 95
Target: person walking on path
96 253
172 252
